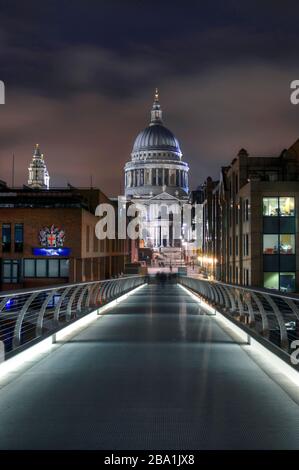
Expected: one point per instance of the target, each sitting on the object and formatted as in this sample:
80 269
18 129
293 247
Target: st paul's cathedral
157 177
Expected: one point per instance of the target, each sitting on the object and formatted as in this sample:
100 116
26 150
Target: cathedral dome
156 163
156 141
156 137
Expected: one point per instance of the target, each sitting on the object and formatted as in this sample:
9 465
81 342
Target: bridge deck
150 374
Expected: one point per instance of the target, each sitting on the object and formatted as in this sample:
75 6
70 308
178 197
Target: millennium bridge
132 363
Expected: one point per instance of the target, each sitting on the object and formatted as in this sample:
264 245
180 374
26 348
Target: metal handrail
272 315
32 314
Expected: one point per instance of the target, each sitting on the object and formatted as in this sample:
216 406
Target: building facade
250 229
48 235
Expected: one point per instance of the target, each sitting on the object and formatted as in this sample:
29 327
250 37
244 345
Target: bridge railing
273 316
28 316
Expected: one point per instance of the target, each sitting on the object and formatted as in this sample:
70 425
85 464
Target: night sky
80 78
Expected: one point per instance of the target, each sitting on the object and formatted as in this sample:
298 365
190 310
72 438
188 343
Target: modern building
157 177
48 235
251 220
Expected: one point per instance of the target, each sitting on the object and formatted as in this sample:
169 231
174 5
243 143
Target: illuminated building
38 174
251 221
157 175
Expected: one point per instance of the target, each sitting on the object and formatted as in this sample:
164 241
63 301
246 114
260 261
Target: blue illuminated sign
51 251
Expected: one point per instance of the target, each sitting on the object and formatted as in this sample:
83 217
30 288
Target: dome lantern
156 112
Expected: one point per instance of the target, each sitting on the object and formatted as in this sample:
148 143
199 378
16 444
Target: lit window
271 280
270 206
287 244
287 282
270 244
287 206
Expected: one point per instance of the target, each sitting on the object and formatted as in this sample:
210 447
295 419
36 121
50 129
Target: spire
36 152
156 112
38 173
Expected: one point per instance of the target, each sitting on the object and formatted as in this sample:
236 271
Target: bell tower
38 174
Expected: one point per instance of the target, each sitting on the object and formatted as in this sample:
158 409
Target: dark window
10 271
177 181
6 238
237 245
46 267
287 263
271 224
287 224
271 263
53 267
41 268
19 238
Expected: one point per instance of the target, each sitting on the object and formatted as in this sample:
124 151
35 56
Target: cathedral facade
157 178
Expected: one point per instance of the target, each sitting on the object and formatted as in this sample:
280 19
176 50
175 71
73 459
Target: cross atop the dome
157 95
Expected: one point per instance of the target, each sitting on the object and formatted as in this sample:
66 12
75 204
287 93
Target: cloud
213 114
